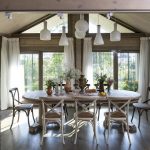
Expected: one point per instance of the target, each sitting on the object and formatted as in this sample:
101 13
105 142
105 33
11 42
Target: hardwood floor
19 137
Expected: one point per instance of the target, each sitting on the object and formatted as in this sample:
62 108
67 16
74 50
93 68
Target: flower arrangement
100 78
71 74
50 83
110 81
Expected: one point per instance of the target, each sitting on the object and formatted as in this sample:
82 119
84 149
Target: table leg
40 114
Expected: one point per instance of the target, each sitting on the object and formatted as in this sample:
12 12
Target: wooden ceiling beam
19 31
124 24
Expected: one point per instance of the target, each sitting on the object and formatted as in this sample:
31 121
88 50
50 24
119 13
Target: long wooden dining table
34 97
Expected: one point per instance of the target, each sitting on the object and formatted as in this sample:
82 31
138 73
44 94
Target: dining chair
50 114
141 107
83 113
19 106
119 115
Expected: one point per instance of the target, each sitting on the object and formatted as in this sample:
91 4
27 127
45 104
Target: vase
67 86
108 88
49 91
101 86
82 83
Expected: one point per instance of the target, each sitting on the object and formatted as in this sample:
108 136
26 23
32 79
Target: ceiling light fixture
98 38
8 15
115 35
45 33
63 39
109 15
81 27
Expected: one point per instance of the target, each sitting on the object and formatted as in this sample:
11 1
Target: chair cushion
85 115
24 106
115 114
52 115
141 105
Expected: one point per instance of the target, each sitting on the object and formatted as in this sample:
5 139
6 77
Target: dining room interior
75 76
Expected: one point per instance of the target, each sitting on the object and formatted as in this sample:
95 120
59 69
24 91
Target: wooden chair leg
18 116
127 127
65 111
146 114
76 130
28 113
12 119
43 131
62 131
140 113
99 111
133 114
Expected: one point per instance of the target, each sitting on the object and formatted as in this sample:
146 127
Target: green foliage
100 78
50 84
130 85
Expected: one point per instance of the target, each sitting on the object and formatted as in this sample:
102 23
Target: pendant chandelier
98 38
81 27
45 33
115 35
63 39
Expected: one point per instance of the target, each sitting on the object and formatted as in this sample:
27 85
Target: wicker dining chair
120 115
19 106
141 107
84 114
50 114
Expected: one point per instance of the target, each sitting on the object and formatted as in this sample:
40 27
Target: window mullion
115 66
41 70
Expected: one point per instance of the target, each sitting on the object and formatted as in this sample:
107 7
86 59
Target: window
127 68
29 68
52 65
107 25
127 71
54 24
102 64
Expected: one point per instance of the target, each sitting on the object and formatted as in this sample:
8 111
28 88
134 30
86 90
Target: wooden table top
36 96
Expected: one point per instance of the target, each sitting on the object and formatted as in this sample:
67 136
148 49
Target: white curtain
4 74
144 71
69 54
88 60
69 57
9 69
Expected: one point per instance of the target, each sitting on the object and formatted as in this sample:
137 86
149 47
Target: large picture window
52 65
29 68
128 71
127 68
102 64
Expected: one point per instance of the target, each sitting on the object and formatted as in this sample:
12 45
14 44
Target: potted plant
68 75
49 84
101 78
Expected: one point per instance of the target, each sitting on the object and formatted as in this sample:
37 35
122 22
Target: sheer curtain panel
4 74
144 71
9 69
69 57
88 60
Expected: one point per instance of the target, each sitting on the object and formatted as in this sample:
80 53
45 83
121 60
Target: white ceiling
19 20
140 20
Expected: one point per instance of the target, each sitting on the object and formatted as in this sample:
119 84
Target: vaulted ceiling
138 20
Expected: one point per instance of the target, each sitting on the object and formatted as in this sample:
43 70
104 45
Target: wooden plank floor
19 137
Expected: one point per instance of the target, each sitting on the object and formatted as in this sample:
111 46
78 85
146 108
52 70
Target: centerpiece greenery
50 83
103 80
100 78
